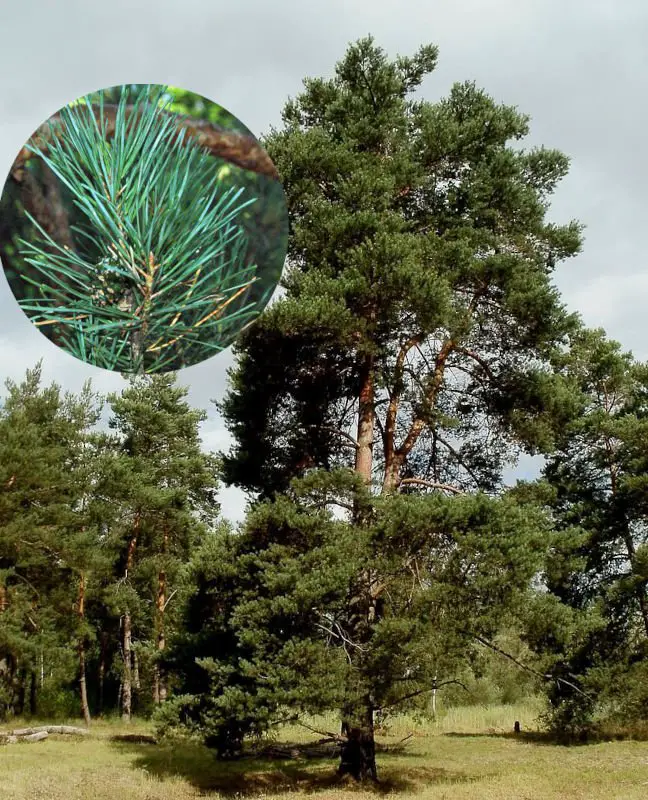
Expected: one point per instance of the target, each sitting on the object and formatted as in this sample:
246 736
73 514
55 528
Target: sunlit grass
467 753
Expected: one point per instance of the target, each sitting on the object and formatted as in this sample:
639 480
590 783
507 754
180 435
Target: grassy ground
467 754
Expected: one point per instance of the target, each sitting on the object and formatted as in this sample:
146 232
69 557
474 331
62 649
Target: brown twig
240 149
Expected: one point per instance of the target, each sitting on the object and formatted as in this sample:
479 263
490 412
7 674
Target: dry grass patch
468 754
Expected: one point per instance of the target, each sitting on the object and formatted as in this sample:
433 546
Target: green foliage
411 356
416 226
596 631
47 539
71 501
269 628
160 258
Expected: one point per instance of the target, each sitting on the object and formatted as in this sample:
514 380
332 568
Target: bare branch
423 691
446 487
353 442
547 676
477 358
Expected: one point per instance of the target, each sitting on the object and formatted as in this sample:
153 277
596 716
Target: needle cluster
159 275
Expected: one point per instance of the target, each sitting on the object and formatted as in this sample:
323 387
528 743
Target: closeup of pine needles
161 274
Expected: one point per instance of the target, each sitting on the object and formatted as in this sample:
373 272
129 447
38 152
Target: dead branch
446 487
334 737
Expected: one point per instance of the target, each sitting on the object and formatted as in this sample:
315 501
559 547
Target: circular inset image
142 228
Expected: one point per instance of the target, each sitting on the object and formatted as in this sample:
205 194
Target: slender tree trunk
127 676
33 695
358 754
127 682
159 683
395 457
366 416
136 671
102 672
85 708
3 598
434 692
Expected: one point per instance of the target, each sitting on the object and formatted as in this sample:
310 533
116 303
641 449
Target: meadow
466 754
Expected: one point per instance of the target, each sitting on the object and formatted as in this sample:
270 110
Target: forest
418 349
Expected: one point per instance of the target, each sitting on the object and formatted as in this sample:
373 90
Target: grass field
468 754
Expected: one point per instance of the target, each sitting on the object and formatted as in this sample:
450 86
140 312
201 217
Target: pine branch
240 149
172 275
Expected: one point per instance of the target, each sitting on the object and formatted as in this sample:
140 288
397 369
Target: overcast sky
579 68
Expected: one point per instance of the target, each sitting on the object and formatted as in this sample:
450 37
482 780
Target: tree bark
395 456
358 754
102 672
358 757
127 676
159 683
85 708
127 683
136 672
364 450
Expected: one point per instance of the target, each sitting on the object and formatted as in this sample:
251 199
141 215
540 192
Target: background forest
419 348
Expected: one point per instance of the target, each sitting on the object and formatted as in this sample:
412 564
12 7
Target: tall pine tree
164 490
410 355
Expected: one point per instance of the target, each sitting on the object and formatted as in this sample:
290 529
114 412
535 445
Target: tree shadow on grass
252 776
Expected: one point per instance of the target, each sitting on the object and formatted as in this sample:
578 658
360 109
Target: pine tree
47 546
597 570
164 494
410 358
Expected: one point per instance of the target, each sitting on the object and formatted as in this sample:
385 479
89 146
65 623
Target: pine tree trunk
85 708
364 451
136 672
159 684
102 672
127 679
127 686
358 755
33 695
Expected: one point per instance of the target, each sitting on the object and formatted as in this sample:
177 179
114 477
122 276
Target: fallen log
13 738
63 729
34 737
